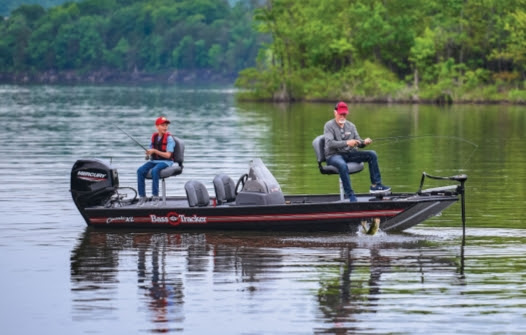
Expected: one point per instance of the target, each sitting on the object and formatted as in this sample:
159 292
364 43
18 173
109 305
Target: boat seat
197 194
225 189
175 169
319 148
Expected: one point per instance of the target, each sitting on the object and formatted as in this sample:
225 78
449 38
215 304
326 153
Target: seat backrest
196 193
179 150
225 188
319 148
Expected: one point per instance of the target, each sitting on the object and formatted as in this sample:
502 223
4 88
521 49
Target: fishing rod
397 138
134 140
400 138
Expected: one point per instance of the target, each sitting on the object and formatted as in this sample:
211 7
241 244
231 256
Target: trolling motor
93 182
459 189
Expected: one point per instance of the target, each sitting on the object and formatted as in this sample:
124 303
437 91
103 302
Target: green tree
422 53
18 34
41 48
516 48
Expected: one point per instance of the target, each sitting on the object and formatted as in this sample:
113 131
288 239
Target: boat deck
182 201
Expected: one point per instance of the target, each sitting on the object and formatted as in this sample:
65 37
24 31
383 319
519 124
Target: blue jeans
141 176
340 162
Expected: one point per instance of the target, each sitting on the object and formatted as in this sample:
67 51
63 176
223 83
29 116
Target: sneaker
353 198
379 188
155 201
142 201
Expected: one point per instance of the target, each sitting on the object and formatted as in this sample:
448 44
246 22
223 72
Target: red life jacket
161 146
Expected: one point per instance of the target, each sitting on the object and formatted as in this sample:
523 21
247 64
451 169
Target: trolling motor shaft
460 189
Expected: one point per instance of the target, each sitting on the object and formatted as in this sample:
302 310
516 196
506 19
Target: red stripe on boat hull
175 219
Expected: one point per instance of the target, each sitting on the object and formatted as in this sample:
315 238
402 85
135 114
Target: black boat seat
319 148
197 194
175 169
225 189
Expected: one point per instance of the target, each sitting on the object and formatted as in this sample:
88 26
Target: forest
286 50
6 6
390 50
130 36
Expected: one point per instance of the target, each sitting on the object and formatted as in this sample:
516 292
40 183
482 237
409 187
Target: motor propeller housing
93 181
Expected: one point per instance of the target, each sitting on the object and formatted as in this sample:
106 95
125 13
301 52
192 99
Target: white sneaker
142 201
155 201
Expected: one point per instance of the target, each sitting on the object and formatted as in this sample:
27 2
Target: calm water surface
60 277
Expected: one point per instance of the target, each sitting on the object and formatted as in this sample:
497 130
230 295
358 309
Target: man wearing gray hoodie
341 146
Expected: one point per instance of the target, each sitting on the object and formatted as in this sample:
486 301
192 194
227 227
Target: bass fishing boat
255 202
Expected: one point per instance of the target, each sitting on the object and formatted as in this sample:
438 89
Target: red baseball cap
341 108
161 120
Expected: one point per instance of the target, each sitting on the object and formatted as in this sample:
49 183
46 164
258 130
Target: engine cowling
93 181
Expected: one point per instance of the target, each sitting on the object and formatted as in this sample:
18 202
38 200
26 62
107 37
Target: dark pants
340 162
141 176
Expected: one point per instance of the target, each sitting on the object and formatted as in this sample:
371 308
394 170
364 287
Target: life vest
161 146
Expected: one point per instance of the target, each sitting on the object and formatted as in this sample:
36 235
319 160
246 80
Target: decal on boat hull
171 218
174 219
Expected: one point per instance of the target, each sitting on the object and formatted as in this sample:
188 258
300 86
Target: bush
517 96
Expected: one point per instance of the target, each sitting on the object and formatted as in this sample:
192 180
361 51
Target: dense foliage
6 6
445 50
130 35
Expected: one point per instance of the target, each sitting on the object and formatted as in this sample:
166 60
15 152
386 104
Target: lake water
59 277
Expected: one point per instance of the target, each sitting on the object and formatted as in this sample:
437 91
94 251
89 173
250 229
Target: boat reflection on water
178 273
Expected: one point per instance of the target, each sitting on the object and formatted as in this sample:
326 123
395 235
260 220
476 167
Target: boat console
259 187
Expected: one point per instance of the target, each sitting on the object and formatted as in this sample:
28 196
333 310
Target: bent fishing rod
398 138
409 137
134 140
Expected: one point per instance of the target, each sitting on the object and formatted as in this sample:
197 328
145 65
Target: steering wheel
241 181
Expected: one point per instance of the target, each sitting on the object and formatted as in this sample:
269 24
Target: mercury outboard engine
260 188
93 182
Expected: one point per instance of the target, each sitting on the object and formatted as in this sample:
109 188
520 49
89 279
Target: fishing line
134 140
409 137
397 138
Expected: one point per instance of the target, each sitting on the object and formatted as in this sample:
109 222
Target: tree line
7 6
287 50
131 35
439 50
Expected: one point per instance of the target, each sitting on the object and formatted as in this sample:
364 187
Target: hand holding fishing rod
359 143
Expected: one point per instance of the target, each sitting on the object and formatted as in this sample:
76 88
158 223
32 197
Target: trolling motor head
461 178
92 182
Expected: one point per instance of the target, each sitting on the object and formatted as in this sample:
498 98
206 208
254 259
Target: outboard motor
93 182
261 188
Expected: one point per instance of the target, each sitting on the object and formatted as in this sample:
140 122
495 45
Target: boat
255 202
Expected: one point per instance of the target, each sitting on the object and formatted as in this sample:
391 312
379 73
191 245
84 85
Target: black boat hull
302 213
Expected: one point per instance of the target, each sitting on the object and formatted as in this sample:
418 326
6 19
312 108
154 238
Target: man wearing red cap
341 143
161 151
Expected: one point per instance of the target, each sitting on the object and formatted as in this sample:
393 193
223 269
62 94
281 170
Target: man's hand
353 143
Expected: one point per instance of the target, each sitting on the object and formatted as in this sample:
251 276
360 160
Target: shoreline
105 76
392 101
202 76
